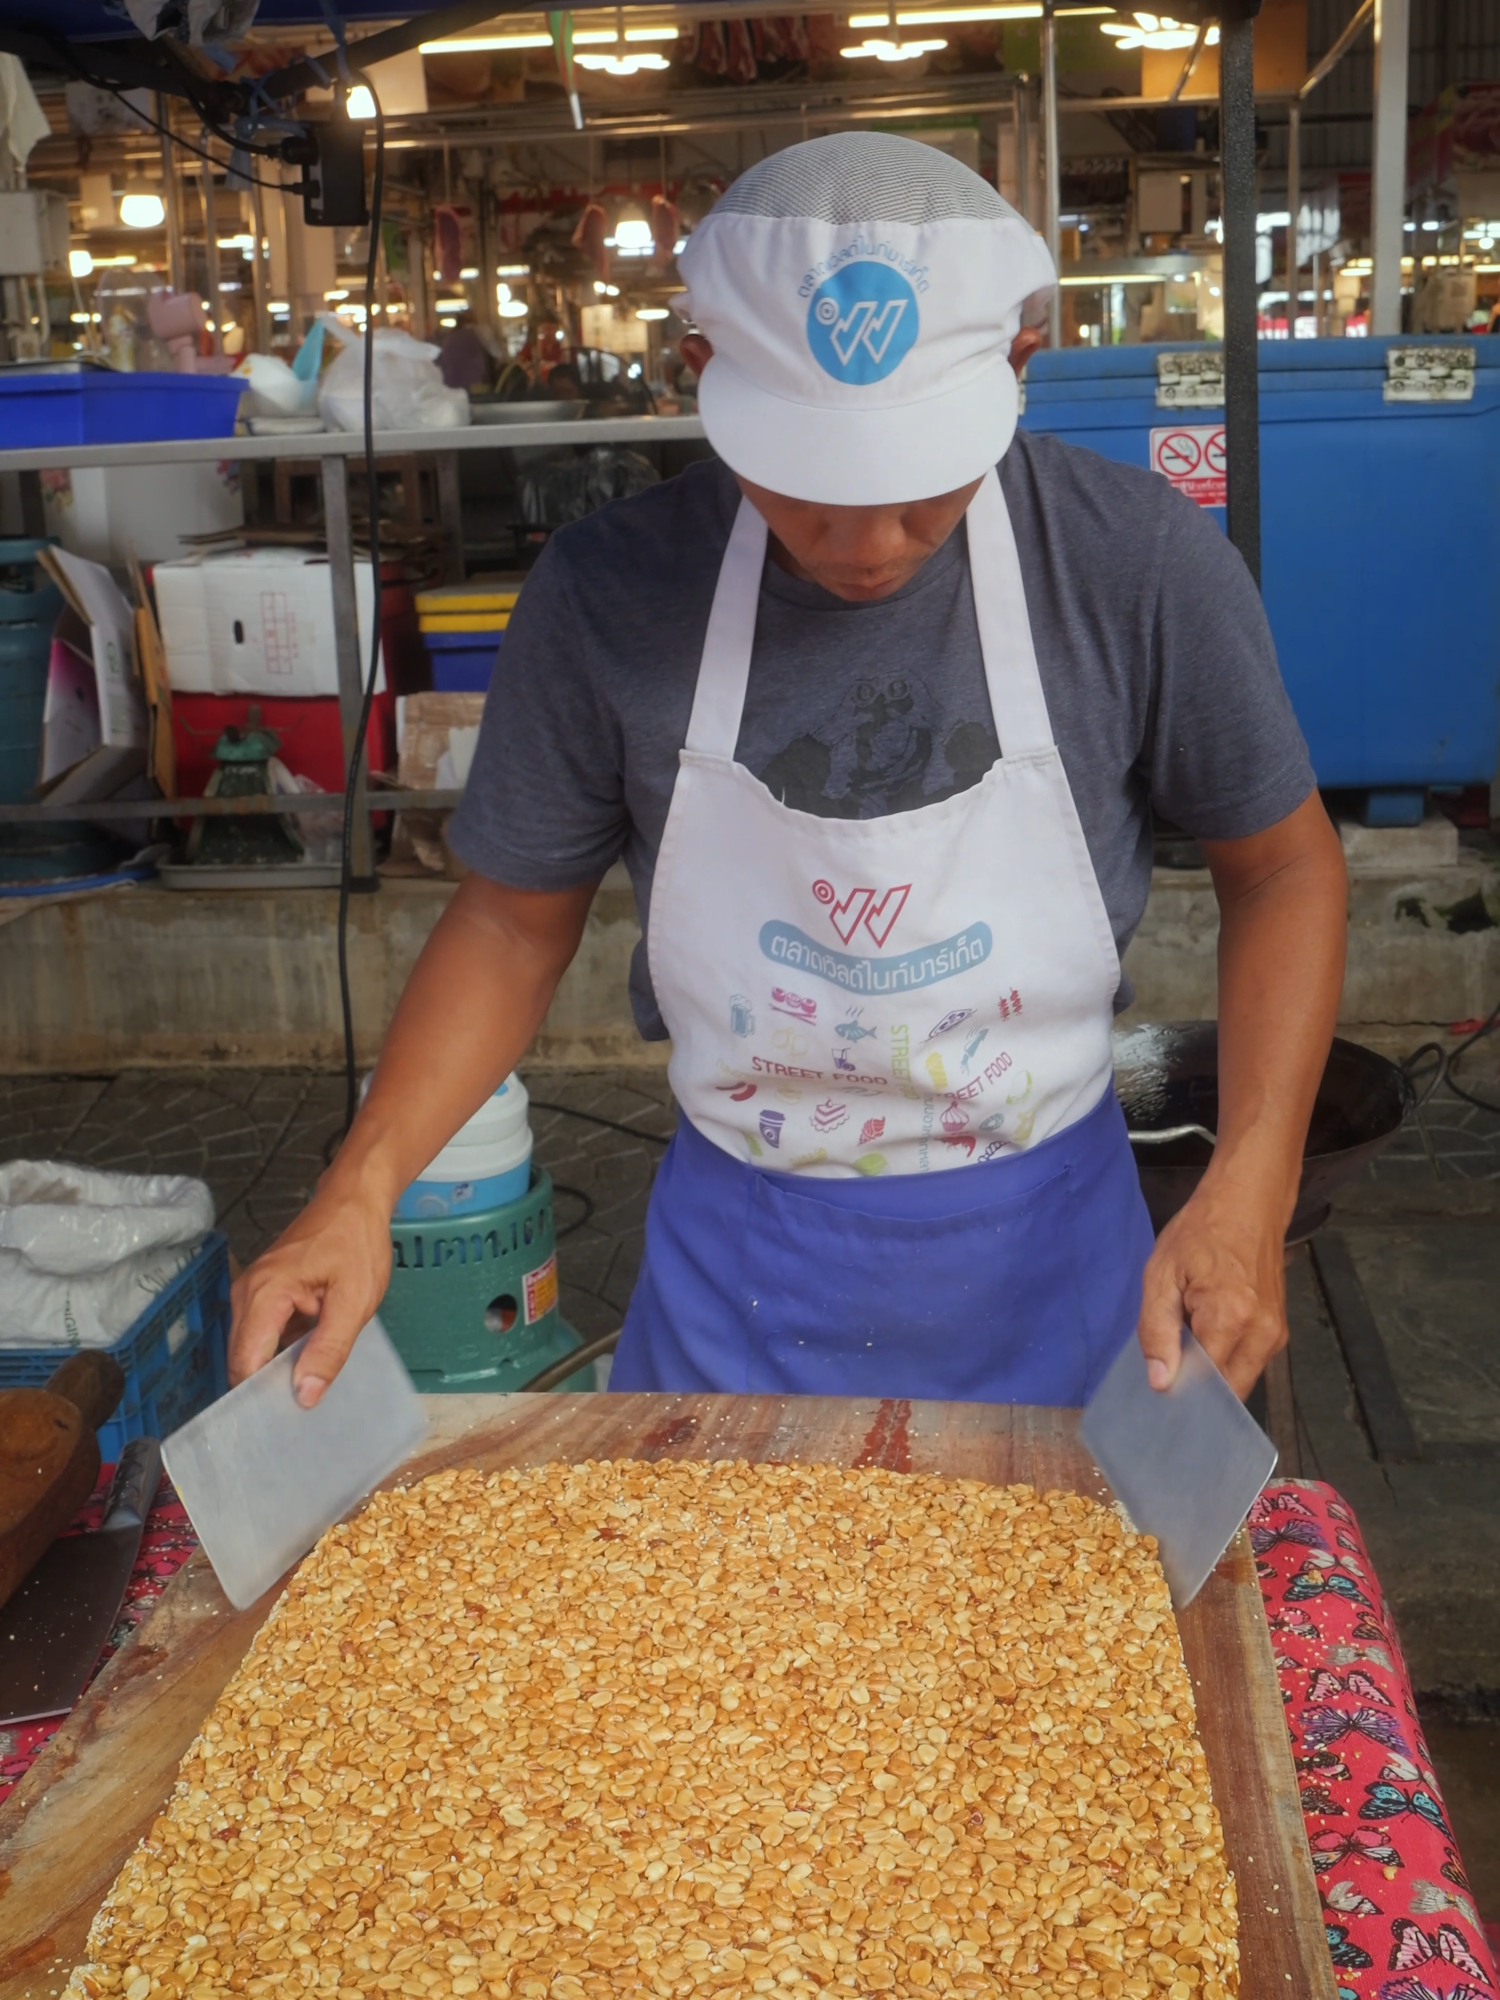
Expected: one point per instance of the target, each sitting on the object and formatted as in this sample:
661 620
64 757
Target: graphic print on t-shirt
886 747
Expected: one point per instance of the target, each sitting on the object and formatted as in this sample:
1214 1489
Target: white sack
83 1254
409 393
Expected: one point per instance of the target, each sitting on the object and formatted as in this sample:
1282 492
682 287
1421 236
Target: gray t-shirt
1156 662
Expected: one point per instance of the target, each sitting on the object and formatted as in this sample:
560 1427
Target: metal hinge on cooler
1192 381
1429 374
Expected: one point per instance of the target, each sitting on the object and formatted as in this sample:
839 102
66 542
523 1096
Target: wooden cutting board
69 1825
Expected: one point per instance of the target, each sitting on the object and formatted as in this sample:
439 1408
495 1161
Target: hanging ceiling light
1156 31
890 48
80 264
359 103
633 236
628 62
142 208
621 60
885 51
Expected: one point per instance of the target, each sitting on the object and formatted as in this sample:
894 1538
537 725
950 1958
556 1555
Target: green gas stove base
472 1300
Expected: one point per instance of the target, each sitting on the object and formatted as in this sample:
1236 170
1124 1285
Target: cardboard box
256 622
94 724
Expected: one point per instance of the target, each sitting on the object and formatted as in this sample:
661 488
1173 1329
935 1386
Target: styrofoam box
256 621
106 512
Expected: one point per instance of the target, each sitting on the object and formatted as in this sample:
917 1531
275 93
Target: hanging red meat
741 52
589 238
447 244
666 227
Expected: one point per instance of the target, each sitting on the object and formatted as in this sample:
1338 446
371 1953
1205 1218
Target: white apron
927 990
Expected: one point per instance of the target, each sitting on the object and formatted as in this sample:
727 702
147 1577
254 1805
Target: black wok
1167 1077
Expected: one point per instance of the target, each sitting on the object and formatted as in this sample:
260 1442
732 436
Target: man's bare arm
475 998
1219 1264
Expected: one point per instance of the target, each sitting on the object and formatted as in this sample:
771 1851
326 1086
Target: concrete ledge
149 976
1424 949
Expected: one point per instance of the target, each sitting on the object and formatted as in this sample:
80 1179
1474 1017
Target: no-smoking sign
1192 457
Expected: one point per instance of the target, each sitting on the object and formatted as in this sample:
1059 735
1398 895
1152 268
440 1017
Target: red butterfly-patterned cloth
1401 1919
1399 1913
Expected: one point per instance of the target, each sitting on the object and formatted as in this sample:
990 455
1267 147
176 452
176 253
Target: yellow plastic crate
467 597
463 621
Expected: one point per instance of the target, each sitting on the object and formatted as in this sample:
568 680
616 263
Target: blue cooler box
1380 526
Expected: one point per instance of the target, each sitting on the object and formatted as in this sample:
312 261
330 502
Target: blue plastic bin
462 662
175 1358
1379 527
94 406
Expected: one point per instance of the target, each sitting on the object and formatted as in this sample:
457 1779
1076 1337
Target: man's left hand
1220 1266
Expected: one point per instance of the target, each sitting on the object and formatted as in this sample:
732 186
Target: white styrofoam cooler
111 512
256 621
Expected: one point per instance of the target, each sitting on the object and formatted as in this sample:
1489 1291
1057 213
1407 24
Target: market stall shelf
70 1824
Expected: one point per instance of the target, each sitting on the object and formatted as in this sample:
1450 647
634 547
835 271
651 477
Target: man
878 733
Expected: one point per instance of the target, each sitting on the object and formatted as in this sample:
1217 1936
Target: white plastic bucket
485 1163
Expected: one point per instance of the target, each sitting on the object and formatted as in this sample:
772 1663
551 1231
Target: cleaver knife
261 1477
1186 1463
54 1627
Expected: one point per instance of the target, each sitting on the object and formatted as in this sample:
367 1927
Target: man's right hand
331 1266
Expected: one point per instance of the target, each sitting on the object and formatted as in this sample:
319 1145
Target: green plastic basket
472 1302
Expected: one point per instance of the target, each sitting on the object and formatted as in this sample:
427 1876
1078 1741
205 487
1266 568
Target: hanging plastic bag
409 391
83 1254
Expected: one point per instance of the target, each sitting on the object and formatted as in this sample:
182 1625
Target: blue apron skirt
1015 1281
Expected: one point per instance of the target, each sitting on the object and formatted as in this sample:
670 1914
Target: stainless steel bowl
548 412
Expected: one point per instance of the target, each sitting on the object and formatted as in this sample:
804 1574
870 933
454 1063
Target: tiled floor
260 1139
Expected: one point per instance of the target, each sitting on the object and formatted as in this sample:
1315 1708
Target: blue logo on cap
862 323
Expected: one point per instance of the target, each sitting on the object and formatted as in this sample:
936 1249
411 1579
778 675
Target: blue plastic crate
175 1358
462 662
93 406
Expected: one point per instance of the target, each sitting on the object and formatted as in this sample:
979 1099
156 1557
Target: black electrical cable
235 145
357 750
1486 1027
577 1194
614 1125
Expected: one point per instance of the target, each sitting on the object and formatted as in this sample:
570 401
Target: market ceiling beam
441 23
742 108
1363 15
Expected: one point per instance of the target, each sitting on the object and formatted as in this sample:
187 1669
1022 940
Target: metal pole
351 666
258 275
1053 207
210 248
1293 208
1388 193
1021 99
171 197
1241 361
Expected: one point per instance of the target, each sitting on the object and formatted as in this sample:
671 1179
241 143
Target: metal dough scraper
261 1478
1185 1462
